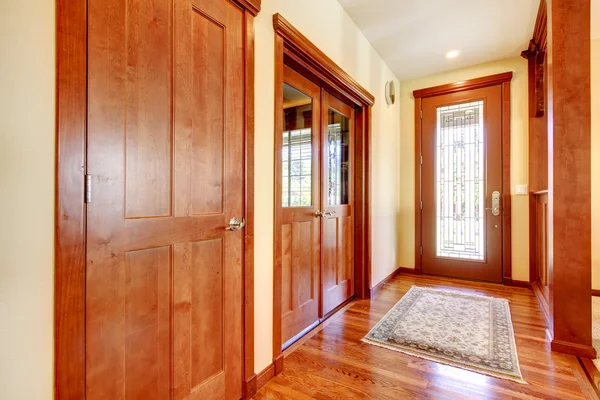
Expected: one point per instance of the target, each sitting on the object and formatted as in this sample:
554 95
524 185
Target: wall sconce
390 92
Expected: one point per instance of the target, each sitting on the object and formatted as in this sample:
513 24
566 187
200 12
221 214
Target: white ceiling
413 36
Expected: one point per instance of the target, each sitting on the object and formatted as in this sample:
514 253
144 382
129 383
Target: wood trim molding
294 49
574 349
504 80
595 292
520 284
316 59
400 270
265 376
70 212
418 209
248 257
539 38
252 6
506 189
460 86
71 116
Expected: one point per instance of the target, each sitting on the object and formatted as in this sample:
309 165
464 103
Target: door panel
338 223
461 177
165 129
299 196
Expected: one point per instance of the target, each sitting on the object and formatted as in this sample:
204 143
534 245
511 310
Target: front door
461 185
165 155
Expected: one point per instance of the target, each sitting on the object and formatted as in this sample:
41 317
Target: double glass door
315 193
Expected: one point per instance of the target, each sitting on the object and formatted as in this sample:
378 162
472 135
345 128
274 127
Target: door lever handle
321 214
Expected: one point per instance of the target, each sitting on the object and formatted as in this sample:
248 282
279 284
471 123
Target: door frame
70 209
503 80
295 50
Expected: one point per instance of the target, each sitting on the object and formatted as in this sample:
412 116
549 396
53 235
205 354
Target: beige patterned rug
461 330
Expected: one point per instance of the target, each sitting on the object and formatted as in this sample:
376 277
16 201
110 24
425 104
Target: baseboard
543 304
250 387
375 289
278 363
574 349
514 283
265 376
592 374
595 292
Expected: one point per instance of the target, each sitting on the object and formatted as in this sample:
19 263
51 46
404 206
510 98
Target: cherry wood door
298 197
462 184
165 153
337 177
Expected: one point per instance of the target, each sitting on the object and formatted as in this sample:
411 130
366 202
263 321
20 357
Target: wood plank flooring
332 363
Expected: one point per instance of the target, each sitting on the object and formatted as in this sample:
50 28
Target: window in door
339 154
460 172
297 149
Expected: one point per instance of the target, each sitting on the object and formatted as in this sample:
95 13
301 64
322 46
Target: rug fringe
445 362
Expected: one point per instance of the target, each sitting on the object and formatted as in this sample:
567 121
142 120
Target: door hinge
421 160
88 189
421 114
421 250
421 204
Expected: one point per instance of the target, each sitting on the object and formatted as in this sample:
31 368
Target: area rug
461 330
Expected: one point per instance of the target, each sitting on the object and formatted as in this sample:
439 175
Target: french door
337 219
165 156
315 193
300 195
461 187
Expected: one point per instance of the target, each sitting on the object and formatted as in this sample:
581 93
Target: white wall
27 32
327 25
519 145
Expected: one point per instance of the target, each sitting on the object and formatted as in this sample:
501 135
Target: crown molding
298 45
464 85
253 6
539 40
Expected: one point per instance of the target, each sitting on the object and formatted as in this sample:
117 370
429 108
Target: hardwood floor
332 362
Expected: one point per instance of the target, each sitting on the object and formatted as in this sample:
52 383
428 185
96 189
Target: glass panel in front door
460 181
338 138
297 148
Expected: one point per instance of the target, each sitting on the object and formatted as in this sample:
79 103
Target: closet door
298 196
337 243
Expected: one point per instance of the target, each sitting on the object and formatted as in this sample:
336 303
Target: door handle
495 204
235 224
321 214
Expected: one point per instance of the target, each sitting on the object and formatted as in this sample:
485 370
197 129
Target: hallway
335 364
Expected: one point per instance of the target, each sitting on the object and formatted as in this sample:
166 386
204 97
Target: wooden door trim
70 211
291 47
504 80
460 86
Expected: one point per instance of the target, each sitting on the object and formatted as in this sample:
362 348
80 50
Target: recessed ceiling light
452 54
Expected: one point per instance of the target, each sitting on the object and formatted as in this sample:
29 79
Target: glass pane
296 154
338 137
460 172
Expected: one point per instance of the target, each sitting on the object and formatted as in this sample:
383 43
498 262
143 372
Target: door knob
235 224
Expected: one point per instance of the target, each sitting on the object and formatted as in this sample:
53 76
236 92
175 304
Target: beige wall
596 164
26 199
519 157
326 24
